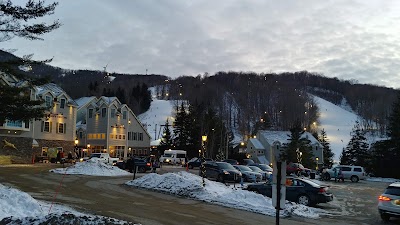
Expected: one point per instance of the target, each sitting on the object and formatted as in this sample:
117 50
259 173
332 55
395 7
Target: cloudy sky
348 39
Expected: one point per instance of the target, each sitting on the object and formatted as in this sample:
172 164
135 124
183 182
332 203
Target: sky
356 40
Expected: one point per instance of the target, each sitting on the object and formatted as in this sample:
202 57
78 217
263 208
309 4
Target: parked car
248 174
265 175
141 164
196 162
231 161
389 202
300 190
353 173
221 171
297 168
246 162
263 167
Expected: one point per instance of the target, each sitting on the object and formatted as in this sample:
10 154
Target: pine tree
297 143
16 21
394 123
356 152
166 140
327 151
180 129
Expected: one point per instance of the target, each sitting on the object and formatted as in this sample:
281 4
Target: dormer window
48 101
103 112
112 113
62 103
124 115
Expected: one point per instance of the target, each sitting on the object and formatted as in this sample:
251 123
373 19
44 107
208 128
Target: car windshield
193 159
224 165
244 168
393 191
255 168
265 167
167 155
95 156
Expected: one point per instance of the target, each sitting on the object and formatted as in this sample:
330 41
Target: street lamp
203 169
316 158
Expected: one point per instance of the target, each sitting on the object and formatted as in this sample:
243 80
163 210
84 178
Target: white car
389 202
353 173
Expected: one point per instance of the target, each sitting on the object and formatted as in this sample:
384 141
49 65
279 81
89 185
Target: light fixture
76 141
204 138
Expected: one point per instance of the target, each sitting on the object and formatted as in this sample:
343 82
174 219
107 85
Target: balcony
16 126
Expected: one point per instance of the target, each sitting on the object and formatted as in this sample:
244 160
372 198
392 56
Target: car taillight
148 164
383 198
322 190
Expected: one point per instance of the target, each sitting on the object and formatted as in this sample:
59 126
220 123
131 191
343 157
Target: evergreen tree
193 125
166 140
356 152
297 143
327 151
394 123
16 21
180 129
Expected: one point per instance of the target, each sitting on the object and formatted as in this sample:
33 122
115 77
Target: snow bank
190 186
17 207
92 167
380 179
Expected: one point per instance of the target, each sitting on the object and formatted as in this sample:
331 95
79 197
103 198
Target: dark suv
141 164
221 171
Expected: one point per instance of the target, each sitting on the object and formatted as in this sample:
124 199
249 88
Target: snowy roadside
17 207
189 185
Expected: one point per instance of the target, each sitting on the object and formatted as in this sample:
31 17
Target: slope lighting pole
203 169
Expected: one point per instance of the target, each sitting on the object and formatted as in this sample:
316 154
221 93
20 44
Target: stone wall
24 153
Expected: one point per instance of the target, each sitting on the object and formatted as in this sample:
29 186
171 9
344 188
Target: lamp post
88 147
203 169
76 146
316 158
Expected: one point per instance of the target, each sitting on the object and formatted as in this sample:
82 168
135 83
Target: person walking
335 173
340 175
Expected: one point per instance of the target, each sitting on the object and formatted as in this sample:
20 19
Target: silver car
389 202
248 174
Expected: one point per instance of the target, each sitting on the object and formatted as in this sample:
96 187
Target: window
90 113
27 124
123 136
129 135
80 134
134 136
103 112
46 126
61 128
124 115
103 136
48 101
140 136
44 151
345 168
90 136
119 136
112 113
62 103
111 136
357 169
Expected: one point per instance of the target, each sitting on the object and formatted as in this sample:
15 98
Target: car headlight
167 160
225 172
240 174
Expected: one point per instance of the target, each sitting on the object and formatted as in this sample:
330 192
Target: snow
92 167
26 210
283 136
190 186
154 119
337 122
381 179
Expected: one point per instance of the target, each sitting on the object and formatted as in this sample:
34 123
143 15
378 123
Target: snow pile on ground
381 179
190 185
17 207
92 167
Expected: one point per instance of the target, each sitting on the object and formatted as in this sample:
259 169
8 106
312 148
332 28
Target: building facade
25 141
106 125
267 143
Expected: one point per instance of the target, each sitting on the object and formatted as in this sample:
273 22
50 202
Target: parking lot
354 203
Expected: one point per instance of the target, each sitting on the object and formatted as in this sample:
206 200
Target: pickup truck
105 157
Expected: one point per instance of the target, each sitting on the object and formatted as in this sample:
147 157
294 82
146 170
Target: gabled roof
82 102
256 143
283 137
55 91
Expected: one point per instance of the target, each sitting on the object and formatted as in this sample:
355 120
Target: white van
173 157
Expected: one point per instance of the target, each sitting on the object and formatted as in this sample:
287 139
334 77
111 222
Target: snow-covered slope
155 117
337 122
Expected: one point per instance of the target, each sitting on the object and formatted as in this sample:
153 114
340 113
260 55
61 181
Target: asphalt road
108 196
